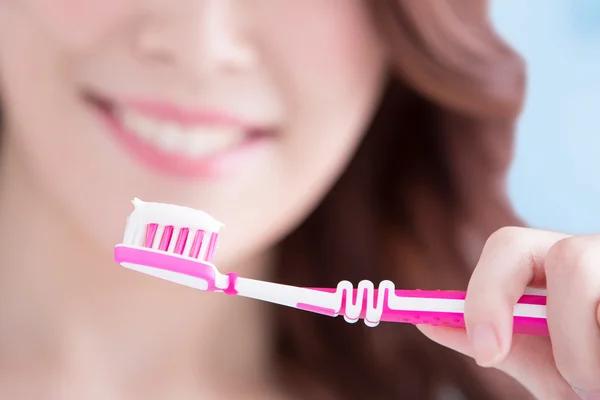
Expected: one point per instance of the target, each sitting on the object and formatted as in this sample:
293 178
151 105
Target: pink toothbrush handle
522 324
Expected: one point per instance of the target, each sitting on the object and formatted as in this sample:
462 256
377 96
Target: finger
453 338
511 260
530 356
573 280
587 395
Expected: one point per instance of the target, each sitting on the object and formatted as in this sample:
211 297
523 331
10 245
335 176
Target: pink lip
163 161
185 117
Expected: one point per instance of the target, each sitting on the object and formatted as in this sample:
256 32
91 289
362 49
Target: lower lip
211 166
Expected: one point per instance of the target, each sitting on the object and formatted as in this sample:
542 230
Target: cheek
331 74
323 46
77 22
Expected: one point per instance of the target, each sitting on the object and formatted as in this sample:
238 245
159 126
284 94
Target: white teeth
205 141
192 141
145 128
168 138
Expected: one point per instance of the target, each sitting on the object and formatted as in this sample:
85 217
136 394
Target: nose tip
208 38
227 52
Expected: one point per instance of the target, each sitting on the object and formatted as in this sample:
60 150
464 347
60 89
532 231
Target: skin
71 320
73 325
564 366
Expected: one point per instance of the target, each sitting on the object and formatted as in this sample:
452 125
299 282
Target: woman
339 139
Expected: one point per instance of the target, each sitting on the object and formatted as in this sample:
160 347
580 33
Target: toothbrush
178 244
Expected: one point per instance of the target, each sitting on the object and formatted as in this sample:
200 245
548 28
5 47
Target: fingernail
587 395
486 348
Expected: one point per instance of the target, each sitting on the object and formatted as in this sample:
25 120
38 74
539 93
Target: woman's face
247 109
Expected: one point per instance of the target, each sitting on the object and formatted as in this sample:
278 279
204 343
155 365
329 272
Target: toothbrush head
174 243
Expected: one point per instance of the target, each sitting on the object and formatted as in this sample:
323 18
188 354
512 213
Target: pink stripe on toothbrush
167 262
522 325
181 240
166 238
150 234
445 294
197 245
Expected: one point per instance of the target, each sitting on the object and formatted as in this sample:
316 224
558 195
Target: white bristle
131 230
189 243
204 247
157 238
174 238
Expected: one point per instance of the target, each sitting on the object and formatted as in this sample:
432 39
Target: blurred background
555 180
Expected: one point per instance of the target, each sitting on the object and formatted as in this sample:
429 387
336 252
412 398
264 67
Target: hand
565 366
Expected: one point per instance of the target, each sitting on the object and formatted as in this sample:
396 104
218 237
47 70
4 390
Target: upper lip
183 116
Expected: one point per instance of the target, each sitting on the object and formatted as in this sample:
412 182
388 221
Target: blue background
554 181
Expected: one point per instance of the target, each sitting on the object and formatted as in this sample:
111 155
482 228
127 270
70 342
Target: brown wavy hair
415 205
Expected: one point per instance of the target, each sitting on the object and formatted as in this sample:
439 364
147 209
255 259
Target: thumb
586 395
530 361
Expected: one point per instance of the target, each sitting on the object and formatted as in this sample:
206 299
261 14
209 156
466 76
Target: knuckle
505 237
575 253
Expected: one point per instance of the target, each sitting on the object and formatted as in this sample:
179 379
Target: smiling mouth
171 137
173 132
